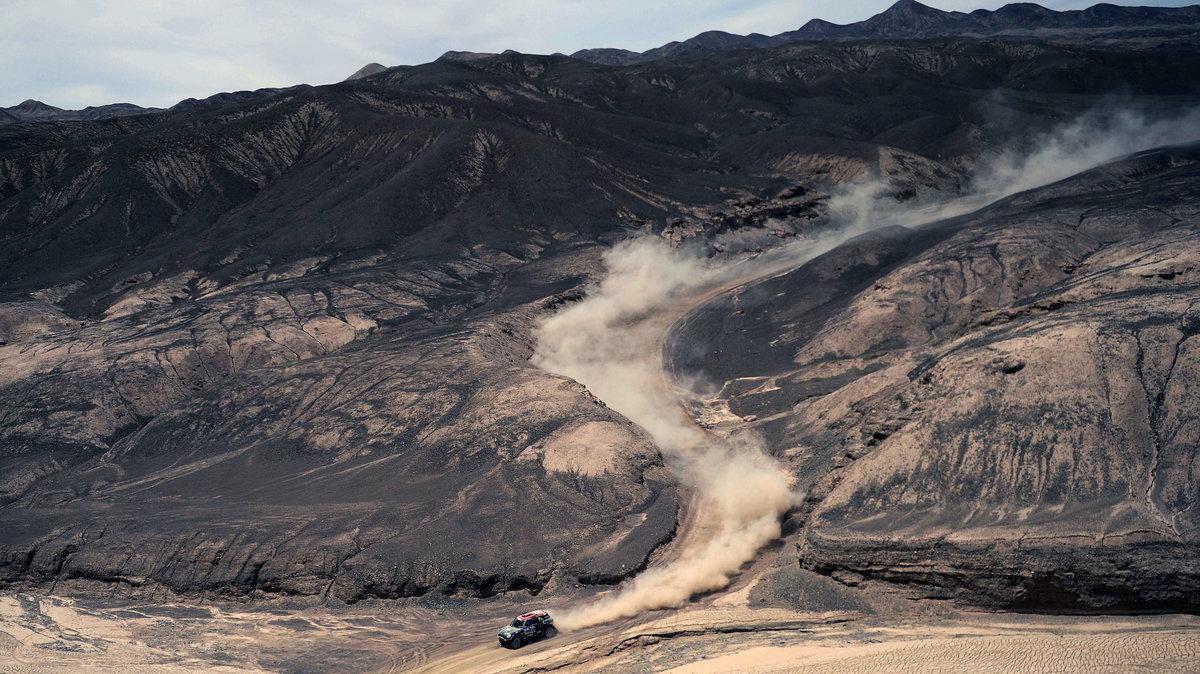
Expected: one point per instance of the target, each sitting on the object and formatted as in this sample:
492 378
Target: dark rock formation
277 344
433 459
997 408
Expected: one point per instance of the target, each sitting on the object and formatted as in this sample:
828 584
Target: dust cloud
1092 139
611 342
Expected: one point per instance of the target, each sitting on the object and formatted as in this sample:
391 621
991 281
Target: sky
75 53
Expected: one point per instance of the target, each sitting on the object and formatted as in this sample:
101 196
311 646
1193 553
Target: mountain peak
815 28
910 6
911 19
910 10
30 104
366 71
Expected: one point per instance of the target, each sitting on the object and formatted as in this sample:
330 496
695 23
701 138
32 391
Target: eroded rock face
435 460
24 320
515 151
277 344
998 408
83 388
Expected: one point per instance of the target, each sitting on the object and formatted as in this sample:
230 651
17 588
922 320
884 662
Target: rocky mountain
453 55
36 111
278 346
227 97
369 69
909 19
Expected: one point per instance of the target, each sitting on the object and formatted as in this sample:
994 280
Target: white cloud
74 53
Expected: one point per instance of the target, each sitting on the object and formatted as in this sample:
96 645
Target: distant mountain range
37 111
908 19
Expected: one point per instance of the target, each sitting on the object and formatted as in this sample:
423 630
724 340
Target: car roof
531 614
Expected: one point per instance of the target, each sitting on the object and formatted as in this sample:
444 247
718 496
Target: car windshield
516 623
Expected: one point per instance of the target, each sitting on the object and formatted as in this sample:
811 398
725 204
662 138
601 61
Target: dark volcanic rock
491 149
998 408
434 460
278 343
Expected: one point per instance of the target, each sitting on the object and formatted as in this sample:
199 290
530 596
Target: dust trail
1086 142
611 343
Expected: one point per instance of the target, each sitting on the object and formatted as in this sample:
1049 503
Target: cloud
74 53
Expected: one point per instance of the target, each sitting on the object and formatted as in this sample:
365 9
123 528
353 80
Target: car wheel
516 643
550 632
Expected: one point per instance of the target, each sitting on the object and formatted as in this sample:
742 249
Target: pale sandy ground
40 634
985 644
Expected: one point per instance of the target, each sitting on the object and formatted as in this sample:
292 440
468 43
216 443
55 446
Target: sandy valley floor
51 634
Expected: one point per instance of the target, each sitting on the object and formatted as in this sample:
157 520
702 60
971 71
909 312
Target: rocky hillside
997 408
277 346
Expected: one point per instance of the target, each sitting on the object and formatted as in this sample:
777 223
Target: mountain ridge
906 19
31 110
909 19
1097 25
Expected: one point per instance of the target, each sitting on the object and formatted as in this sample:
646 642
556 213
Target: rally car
527 627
